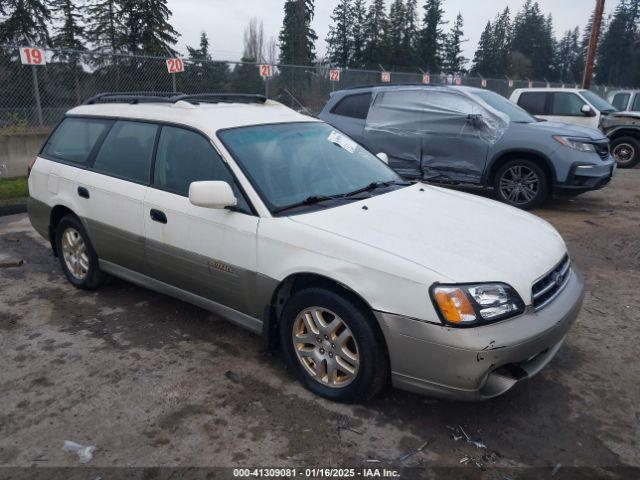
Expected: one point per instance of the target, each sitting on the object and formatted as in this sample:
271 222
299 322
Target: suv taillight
30 165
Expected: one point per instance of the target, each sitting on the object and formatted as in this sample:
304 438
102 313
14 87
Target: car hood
559 128
458 236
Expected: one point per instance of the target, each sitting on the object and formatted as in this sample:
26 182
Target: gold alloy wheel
325 347
74 253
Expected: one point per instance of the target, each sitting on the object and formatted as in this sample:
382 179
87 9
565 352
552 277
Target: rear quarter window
636 103
74 139
353 106
534 102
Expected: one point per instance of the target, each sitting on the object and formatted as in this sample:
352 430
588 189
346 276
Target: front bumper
481 362
586 177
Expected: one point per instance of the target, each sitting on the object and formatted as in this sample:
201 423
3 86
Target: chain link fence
35 98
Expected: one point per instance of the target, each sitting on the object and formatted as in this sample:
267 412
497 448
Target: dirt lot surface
147 378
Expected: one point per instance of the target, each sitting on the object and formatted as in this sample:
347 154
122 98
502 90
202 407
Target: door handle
158 216
83 192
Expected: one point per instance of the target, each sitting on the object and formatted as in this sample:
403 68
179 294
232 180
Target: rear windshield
74 139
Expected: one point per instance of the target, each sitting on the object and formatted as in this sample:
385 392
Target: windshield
598 102
291 163
513 111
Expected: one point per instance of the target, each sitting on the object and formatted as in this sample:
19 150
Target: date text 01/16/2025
316 472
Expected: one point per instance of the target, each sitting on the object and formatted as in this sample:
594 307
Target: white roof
550 89
207 117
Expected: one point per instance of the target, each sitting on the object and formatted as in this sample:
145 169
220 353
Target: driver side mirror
384 157
476 119
212 194
587 111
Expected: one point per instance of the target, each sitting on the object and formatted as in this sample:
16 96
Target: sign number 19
32 56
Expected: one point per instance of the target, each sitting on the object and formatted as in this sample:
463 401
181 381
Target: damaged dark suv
462 135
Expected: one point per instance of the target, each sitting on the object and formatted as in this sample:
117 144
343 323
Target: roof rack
173 97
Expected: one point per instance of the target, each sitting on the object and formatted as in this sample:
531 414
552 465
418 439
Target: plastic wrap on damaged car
410 123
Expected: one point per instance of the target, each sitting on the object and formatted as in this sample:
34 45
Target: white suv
285 226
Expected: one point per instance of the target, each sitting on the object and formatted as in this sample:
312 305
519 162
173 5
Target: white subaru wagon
285 226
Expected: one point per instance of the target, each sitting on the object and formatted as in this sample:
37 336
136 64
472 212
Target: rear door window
354 106
126 152
74 139
567 105
534 102
621 100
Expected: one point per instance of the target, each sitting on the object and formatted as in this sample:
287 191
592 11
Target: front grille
602 148
546 289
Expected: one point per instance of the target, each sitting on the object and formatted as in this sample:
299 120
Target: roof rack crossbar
173 97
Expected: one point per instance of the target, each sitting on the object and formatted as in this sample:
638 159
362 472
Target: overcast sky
224 20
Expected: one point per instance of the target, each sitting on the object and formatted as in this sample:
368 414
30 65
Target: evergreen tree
453 60
432 36
105 30
375 33
532 43
410 35
340 40
396 35
484 58
204 75
618 50
568 56
70 34
358 19
297 38
502 32
156 33
25 22
246 78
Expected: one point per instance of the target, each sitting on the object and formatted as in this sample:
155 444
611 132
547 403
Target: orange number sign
175 65
32 56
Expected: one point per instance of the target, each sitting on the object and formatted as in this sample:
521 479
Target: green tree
432 36
297 38
484 59
340 39
502 32
205 75
410 34
70 34
358 19
105 29
246 78
568 57
533 41
395 36
156 33
453 60
617 55
25 22
375 34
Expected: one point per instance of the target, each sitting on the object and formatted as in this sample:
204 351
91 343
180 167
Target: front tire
333 345
522 184
77 257
626 151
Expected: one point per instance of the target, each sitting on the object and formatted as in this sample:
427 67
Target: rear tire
626 151
521 183
77 256
333 345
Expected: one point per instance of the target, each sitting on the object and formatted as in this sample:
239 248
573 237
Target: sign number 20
175 65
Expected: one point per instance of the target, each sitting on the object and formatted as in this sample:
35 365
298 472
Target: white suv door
208 252
113 190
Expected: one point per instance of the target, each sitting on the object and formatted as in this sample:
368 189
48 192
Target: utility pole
593 44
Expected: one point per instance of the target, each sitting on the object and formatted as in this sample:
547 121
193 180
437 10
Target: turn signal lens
454 305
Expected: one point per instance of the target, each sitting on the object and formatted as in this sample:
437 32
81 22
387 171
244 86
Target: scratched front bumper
482 362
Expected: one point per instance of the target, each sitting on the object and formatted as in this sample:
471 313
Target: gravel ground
153 381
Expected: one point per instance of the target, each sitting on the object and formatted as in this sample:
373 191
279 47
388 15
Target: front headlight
476 304
576 144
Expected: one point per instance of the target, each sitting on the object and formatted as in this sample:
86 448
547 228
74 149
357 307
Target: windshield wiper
312 200
374 186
